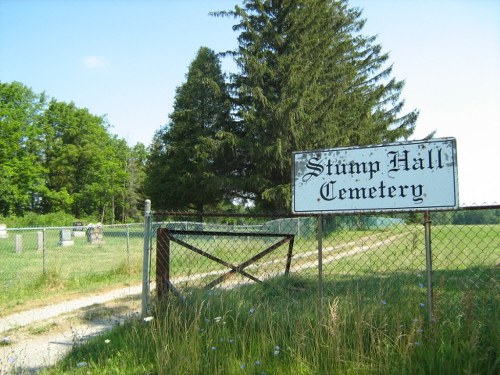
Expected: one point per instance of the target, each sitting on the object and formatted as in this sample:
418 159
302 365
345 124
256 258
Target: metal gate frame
165 235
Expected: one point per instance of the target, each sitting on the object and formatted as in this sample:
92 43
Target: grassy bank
276 328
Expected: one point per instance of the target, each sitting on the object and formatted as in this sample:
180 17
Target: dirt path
36 339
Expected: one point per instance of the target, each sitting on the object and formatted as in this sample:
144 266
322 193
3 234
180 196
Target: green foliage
477 217
21 173
308 79
185 167
55 157
83 160
467 217
31 219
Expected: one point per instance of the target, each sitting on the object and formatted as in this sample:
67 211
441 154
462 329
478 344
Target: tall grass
278 328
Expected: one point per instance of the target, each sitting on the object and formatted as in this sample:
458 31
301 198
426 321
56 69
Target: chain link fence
440 265
381 259
42 266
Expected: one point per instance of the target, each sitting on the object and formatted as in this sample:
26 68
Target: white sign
398 176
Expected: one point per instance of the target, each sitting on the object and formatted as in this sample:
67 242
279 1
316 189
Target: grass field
70 271
373 319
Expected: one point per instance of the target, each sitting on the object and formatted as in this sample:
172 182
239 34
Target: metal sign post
145 259
428 257
320 265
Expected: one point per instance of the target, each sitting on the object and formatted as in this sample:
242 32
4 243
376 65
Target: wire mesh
39 266
379 258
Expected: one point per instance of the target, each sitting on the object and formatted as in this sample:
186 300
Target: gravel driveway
38 338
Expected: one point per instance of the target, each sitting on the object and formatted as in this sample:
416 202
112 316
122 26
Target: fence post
44 252
19 243
128 245
320 266
145 259
162 264
428 256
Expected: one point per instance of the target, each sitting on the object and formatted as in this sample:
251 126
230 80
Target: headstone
78 230
19 243
65 238
3 231
95 233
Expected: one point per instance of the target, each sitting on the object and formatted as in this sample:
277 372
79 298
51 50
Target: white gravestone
65 238
3 231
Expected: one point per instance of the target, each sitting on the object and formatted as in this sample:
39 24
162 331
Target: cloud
95 62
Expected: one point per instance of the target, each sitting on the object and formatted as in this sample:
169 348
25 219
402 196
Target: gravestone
95 233
3 231
78 229
65 238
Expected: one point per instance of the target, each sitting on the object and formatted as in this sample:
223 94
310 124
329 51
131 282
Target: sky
125 58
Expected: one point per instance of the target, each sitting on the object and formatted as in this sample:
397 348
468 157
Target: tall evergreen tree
307 79
185 167
133 189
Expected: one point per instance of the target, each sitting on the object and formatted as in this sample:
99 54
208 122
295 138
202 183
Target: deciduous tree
21 171
85 164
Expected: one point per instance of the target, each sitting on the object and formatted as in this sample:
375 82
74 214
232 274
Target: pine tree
307 79
185 167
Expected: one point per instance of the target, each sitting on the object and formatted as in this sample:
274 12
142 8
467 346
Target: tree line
307 78
56 157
